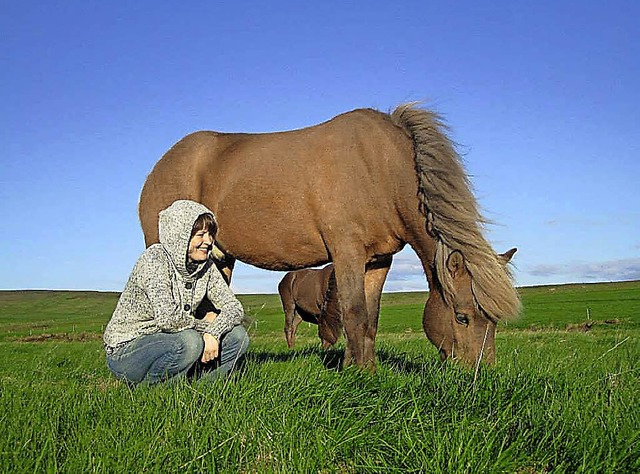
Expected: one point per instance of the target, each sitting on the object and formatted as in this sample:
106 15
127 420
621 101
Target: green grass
559 399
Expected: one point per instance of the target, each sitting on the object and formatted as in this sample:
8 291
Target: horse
303 294
353 191
438 330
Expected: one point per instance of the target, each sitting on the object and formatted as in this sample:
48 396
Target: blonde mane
452 214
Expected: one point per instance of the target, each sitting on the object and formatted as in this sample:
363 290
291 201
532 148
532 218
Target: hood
175 226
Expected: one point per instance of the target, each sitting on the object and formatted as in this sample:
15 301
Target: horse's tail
452 214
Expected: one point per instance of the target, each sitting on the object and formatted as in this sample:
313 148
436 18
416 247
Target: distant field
545 307
563 396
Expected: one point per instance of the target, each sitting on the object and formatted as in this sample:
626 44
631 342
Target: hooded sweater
162 294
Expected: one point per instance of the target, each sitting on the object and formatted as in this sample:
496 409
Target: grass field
563 396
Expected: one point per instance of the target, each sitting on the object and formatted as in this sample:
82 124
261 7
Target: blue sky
543 98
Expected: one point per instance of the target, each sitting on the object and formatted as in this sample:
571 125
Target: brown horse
442 332
303 294
353 191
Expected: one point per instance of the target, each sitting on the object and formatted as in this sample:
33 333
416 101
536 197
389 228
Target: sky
543 99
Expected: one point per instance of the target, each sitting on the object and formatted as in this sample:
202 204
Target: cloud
406 273
612 270
406 285
406 267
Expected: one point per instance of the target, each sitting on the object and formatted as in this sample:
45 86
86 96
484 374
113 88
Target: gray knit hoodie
162 296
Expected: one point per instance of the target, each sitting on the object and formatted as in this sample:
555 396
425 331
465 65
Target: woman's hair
205 221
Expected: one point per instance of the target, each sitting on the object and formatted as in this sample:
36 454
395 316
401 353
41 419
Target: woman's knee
192 344
238 338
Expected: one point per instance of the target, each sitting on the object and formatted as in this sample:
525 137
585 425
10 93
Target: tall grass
558 401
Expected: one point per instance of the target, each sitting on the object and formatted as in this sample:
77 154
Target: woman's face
200 245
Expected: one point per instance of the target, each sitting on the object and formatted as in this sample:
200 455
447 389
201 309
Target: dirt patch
62 337
581 327
587 325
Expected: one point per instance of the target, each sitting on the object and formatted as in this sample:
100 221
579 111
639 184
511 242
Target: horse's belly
269 242
281 258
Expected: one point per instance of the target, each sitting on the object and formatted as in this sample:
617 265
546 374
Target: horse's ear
455 263
507 256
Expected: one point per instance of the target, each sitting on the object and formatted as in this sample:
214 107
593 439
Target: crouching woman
153 334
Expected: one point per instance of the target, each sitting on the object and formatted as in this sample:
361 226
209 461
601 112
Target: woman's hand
210 316
211 347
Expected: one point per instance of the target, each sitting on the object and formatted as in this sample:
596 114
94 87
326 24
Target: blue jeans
162 356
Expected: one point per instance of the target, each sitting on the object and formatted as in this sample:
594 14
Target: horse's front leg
374 279
349 271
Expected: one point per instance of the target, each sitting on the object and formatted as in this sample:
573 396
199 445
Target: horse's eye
462 319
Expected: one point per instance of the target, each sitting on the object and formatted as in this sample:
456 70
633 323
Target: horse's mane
452 213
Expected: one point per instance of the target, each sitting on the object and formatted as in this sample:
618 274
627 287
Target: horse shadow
406 363
333 359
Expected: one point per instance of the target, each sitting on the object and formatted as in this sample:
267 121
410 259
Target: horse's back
301 189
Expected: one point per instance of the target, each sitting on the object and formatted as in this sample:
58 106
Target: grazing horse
303 294
352 191
440 331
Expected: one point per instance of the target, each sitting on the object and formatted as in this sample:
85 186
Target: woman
153 334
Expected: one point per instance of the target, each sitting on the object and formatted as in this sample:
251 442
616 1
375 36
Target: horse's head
460 329
329 330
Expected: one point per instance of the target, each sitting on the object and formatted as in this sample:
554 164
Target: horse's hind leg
374 279
292 322
291 319
349 270
329 319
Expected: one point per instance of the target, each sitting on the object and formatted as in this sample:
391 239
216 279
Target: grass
562 397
